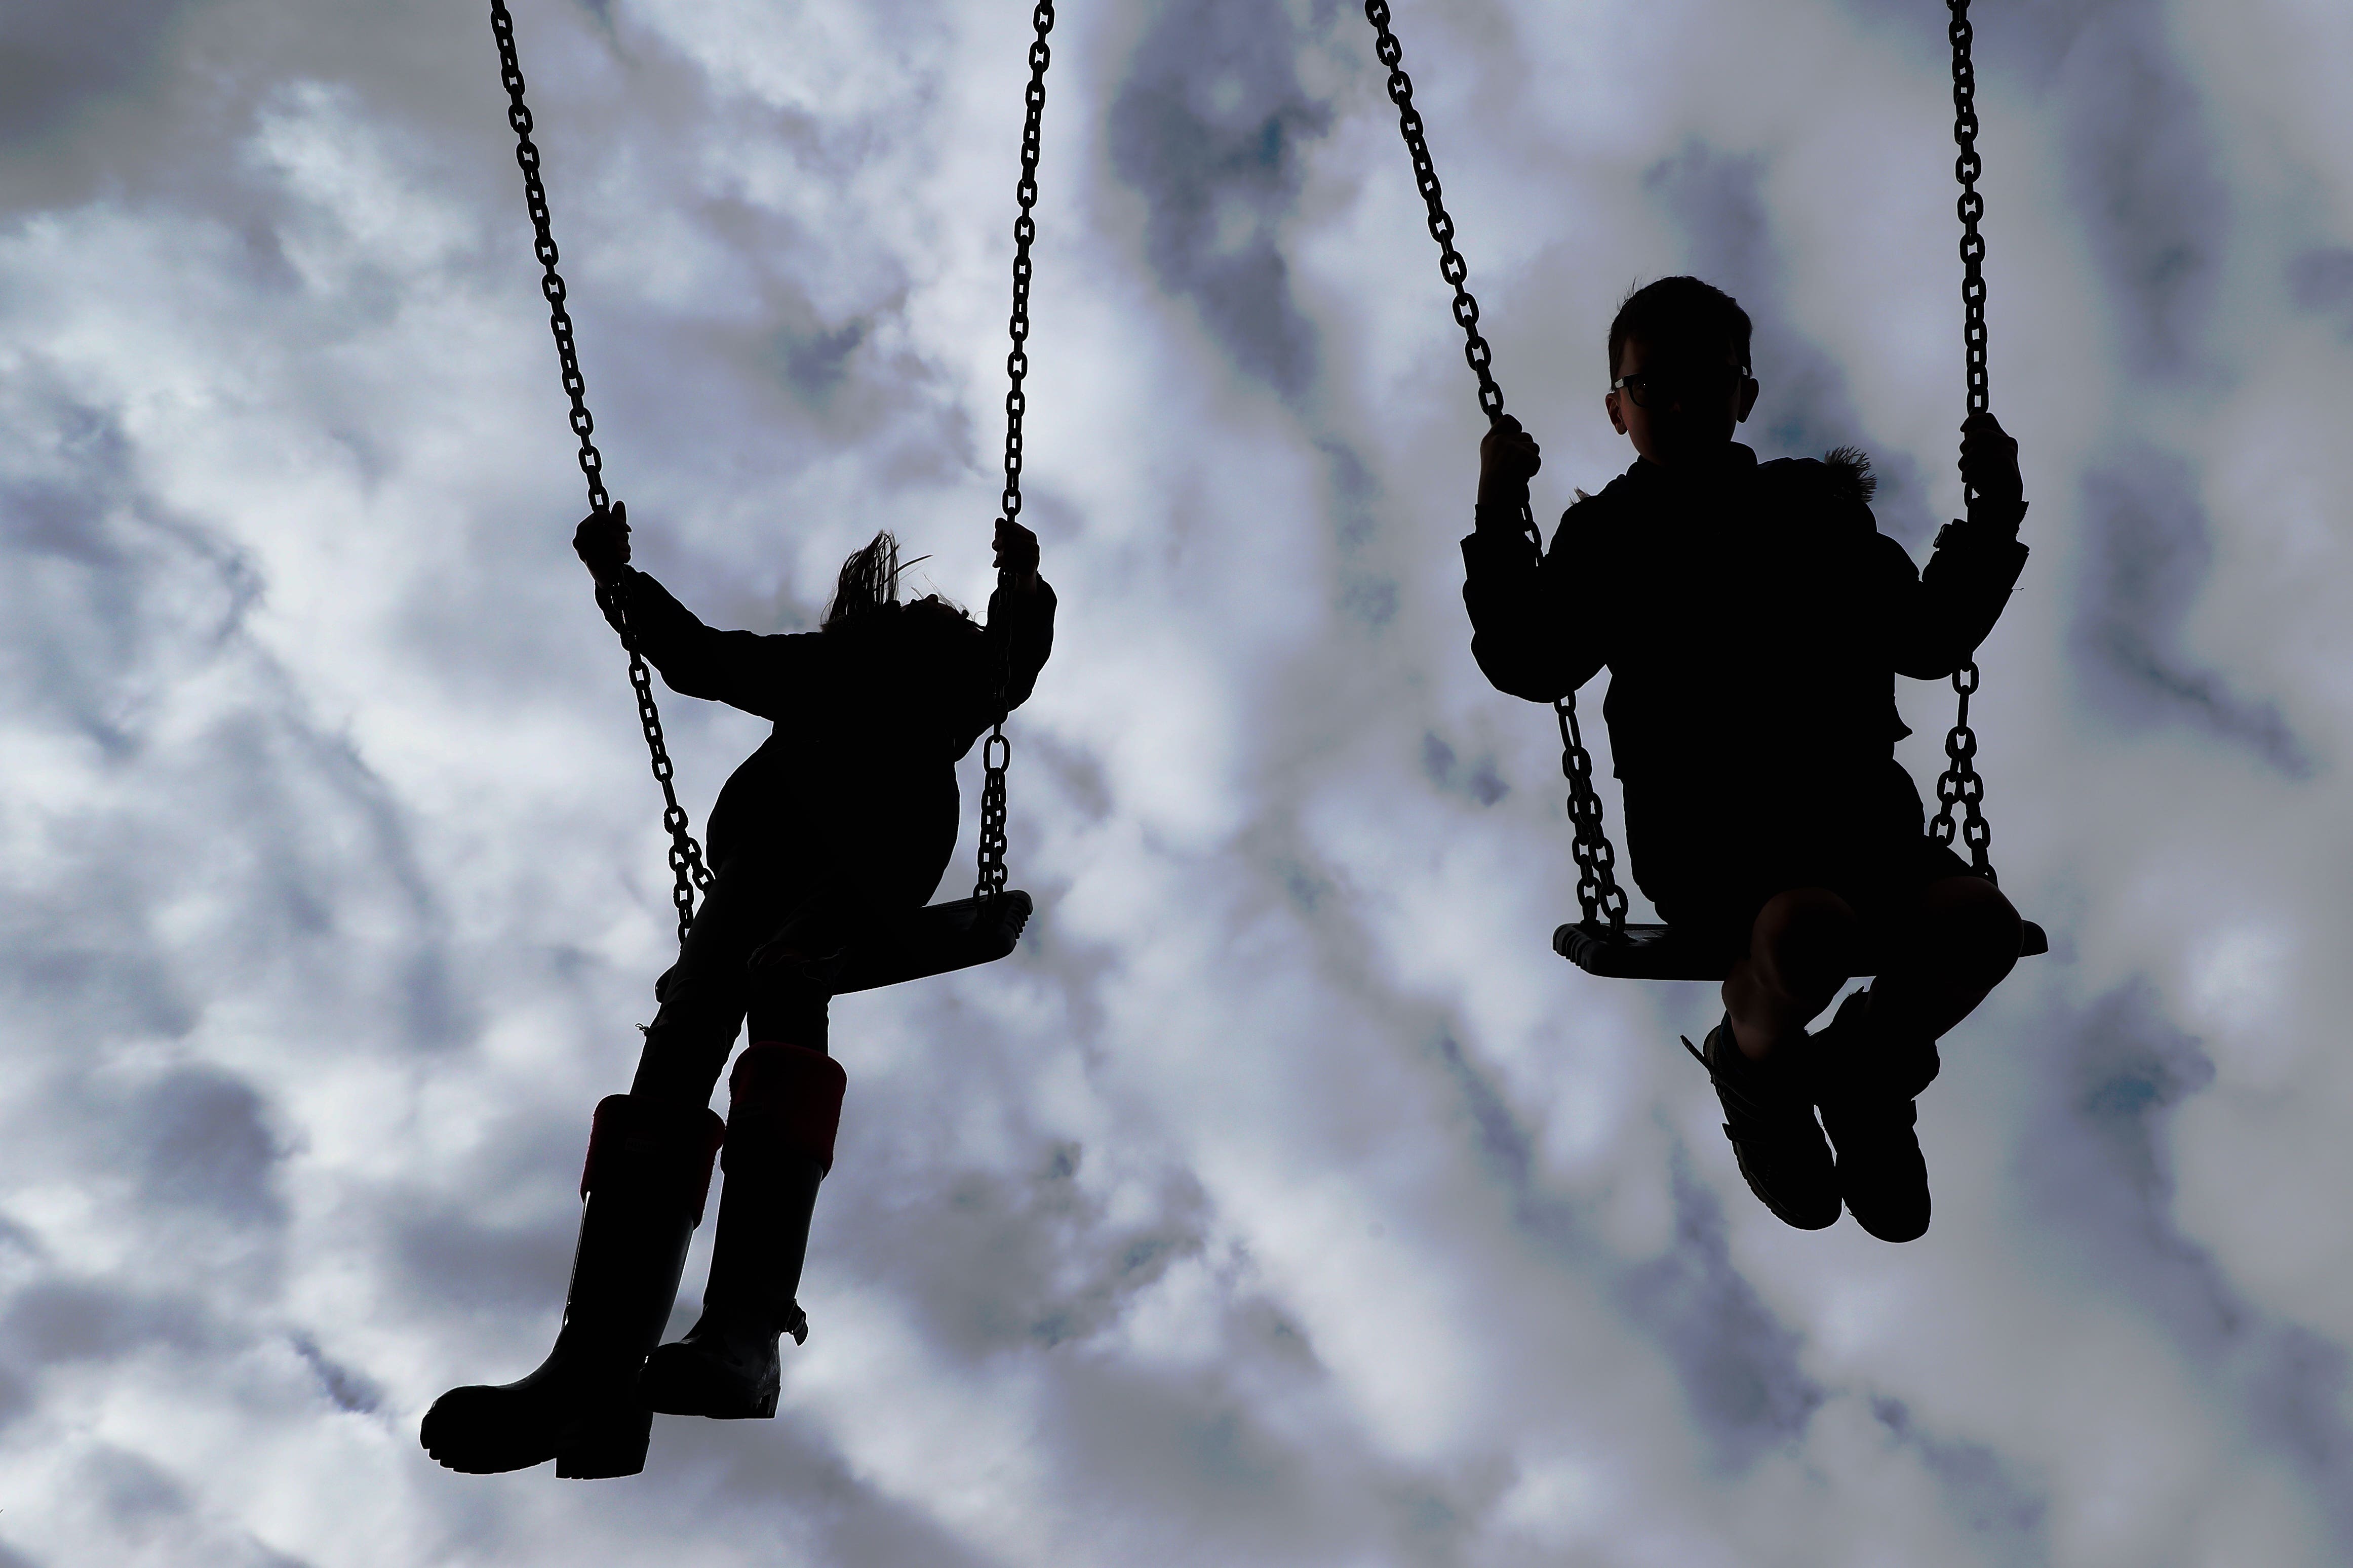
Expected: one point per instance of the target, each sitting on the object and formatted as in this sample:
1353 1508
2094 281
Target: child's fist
1017 554
1508 458
1990 463
602 542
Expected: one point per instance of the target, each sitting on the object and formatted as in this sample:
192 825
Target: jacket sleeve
1937 617
1021 637
1524 632
743 669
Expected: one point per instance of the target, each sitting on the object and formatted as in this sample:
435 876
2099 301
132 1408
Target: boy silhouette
1753 620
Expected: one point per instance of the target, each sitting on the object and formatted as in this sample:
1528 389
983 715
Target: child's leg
705 993
1800 951
1949 950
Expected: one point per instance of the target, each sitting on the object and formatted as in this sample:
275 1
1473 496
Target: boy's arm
1976 563
1952 605
1525 642
1526 636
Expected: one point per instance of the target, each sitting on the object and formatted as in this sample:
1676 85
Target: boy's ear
1748 391
1618 414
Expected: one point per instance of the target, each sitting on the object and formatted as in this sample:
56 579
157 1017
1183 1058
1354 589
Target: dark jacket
871 716
1753 620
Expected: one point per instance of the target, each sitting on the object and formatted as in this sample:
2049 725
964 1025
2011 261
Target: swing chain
688 874
996 751
1450 264
1961 786
1967 167
1025 230
1599 895
551 282
1597 892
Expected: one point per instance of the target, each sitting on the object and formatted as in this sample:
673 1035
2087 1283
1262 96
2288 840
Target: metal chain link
996 751
1598 893
1959 787
687 869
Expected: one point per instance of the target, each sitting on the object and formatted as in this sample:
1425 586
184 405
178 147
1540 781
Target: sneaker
1867 1087
1770 1120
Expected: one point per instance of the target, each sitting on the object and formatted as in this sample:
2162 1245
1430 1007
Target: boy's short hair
1681 314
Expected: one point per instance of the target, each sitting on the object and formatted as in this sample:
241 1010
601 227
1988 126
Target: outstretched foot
1771 1121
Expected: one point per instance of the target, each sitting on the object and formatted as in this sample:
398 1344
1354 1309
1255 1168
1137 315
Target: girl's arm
1020 631
743 669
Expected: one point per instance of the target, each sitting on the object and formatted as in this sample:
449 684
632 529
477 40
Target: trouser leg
703 995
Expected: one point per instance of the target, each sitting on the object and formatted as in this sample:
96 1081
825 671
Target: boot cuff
787 1098
667 1157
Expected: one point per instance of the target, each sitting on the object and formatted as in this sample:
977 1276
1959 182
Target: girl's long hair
869 581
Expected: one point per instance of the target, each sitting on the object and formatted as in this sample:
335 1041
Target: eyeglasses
1658 389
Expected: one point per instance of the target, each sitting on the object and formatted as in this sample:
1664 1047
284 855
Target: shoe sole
596 1447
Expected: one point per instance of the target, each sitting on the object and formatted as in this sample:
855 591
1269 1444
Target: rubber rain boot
784 1105
643 1189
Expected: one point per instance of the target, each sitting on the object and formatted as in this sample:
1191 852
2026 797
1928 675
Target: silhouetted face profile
1680 402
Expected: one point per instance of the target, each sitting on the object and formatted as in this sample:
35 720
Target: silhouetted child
845 817
1753 620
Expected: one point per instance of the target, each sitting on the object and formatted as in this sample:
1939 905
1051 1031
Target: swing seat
1656 952
936 938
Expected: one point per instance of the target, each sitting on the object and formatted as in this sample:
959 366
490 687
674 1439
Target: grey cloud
2141 159
997 1261
1738 1361
1206 127
58 1319
2142 164
1366 593
201 1137
788 1492
1479 779
55 59
2321 280
141 1504
2148 550
2101 1170
447 1258
1738 1364
351 1389
1986 1496
17 1396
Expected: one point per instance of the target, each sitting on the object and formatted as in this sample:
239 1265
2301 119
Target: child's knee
1809 936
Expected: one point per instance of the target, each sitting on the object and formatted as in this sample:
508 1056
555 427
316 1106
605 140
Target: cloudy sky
1284 1201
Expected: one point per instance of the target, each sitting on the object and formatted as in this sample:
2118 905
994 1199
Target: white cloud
1285 1200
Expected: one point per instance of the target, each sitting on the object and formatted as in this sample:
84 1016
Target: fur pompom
1851 473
